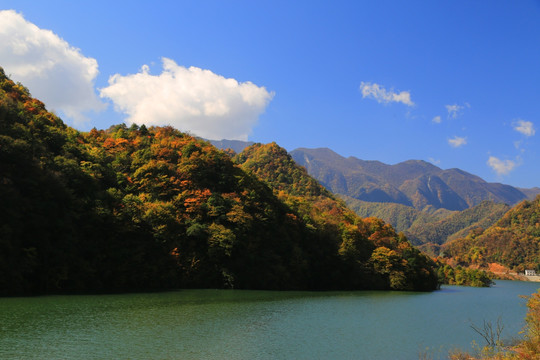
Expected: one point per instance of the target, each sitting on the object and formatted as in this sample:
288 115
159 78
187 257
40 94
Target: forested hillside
429 230
513 241
364 245
142 208
457 224
401 217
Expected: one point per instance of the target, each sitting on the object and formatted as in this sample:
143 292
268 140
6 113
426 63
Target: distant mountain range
414 183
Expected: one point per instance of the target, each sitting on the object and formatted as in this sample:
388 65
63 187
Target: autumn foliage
513 241
137 208
369 252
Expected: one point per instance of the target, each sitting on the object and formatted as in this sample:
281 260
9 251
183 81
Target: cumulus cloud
436 120
501 167
524 127
379 93
190 99
53 70
457 141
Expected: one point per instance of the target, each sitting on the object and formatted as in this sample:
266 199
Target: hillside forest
137 208
513 241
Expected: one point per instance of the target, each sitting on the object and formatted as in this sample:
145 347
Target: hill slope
457 224
365 245
430 230
513 241
401 217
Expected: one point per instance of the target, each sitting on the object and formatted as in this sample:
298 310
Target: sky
454 83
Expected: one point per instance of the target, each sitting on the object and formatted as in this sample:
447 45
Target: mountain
513 241
413 183
129 209
531 193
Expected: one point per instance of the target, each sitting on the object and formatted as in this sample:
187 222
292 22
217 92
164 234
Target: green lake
235 324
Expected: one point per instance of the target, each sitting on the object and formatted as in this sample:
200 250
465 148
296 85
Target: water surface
234 324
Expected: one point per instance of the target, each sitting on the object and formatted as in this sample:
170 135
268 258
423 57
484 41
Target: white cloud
524 127
436 120
434 161
455 110
53 71
457 141
379 93
190 99
501 167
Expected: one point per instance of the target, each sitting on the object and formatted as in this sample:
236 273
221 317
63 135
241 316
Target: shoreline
535 278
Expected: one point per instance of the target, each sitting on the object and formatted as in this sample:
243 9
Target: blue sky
456 83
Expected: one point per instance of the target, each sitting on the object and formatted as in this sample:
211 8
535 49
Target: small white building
530 273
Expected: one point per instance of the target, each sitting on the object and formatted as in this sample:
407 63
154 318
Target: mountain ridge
375 166
415 183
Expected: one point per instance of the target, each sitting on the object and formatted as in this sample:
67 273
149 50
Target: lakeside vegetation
459 275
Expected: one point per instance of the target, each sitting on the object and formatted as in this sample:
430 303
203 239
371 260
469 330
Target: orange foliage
196 199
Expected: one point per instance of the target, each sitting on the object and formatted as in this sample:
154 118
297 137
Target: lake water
234 324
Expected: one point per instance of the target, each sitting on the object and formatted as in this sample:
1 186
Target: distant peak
422 163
